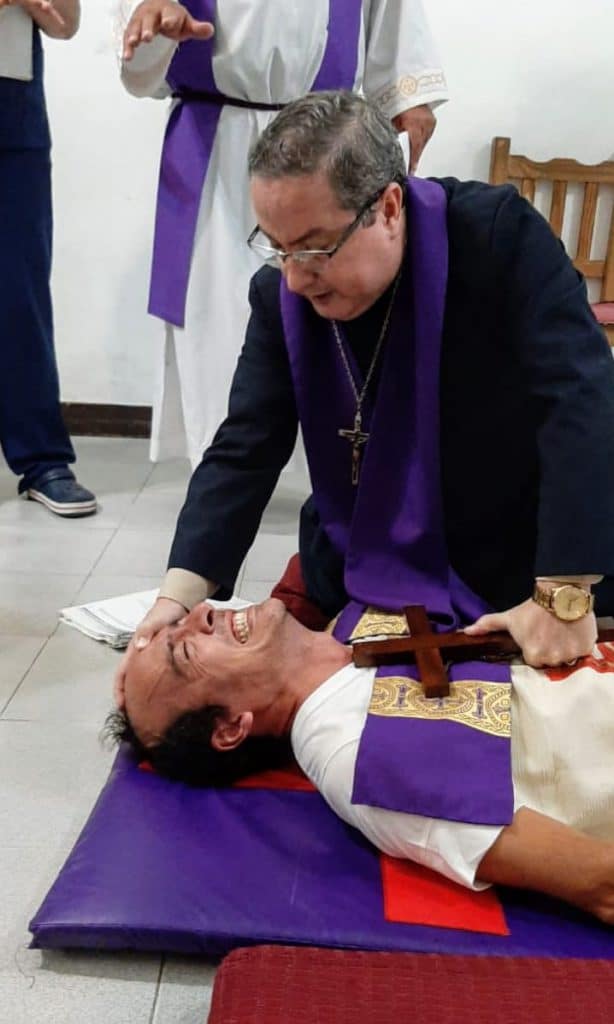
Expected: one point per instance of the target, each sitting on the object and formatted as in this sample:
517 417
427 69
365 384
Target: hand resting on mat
225 693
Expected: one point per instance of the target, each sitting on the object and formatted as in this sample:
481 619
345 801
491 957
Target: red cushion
604 311
414 894
305 985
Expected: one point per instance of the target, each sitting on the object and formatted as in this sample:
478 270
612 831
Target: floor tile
141 552
17 654
184 996
282 514
112 509
26 875
98 588
171 473
71 681
29 602
79 988
109 452
157 508
8 483
51 776
57 547
269 556
255 590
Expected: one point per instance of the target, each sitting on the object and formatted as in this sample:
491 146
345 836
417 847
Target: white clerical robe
266 51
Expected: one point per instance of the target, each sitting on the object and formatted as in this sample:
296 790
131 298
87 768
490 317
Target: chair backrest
562 172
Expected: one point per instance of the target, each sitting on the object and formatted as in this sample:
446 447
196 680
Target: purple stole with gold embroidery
390 528
189 138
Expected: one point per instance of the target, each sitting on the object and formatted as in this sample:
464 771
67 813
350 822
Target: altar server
226 89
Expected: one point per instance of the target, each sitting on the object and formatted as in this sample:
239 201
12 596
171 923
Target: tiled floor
55 690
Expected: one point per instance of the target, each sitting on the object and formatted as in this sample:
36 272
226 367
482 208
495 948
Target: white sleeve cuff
186 587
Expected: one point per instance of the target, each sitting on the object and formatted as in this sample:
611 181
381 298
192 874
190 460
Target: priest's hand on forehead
165 18
164 612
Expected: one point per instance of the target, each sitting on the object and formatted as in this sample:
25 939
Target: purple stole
390 529
189 138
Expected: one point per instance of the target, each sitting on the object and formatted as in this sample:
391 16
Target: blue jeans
33 436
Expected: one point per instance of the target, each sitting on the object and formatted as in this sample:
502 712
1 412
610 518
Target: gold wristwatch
565 601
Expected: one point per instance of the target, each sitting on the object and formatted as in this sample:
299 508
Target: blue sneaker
61 493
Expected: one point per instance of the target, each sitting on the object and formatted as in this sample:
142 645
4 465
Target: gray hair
339 133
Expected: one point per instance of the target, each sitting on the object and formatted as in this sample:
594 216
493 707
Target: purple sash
189 138
447 758
390 529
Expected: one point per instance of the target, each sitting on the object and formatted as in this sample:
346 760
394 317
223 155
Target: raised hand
419 123
165 18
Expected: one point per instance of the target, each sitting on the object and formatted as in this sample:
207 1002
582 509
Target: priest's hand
543 639
165 18
164 612
419 123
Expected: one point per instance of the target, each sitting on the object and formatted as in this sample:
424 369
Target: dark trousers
32 433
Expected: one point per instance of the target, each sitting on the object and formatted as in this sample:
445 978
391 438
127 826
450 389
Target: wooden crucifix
357 437
425 647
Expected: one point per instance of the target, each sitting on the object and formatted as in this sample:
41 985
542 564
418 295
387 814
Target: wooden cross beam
432 671
425 647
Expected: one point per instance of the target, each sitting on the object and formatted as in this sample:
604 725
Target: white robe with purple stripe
397 66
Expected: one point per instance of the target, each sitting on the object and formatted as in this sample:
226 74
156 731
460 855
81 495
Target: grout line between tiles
154 1008
30 666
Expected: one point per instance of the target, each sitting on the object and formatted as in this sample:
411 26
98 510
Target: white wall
540 71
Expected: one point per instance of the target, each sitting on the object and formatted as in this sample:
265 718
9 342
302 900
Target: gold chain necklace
356 436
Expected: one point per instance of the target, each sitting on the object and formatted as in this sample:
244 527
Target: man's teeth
240 627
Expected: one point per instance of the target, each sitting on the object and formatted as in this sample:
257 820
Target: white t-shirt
562 753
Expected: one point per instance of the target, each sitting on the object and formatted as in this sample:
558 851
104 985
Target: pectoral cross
356 437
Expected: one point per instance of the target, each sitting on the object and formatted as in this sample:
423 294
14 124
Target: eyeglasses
277 257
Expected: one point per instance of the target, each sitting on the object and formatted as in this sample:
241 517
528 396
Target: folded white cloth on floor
114 620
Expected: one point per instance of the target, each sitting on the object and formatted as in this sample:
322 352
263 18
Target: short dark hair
339 133
185 753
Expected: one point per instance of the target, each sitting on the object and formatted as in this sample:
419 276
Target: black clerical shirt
526 431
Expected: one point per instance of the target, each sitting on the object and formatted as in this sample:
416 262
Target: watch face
570 603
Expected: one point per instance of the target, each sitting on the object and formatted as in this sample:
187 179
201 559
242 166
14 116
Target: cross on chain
357 437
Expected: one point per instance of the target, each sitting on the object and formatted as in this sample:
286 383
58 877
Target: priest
455 393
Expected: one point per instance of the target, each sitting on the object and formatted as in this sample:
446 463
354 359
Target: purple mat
162 867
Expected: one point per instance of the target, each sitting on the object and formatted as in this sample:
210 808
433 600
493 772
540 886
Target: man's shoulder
265 302
474 206
264 286
486 225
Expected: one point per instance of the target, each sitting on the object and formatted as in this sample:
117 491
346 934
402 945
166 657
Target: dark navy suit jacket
527 419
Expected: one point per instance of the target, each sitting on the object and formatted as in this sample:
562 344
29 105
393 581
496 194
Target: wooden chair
561 173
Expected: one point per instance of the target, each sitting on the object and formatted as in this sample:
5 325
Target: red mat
303 985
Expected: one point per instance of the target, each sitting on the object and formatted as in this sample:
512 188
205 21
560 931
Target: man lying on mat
452 386
226 693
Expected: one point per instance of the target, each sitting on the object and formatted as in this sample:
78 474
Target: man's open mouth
240 627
